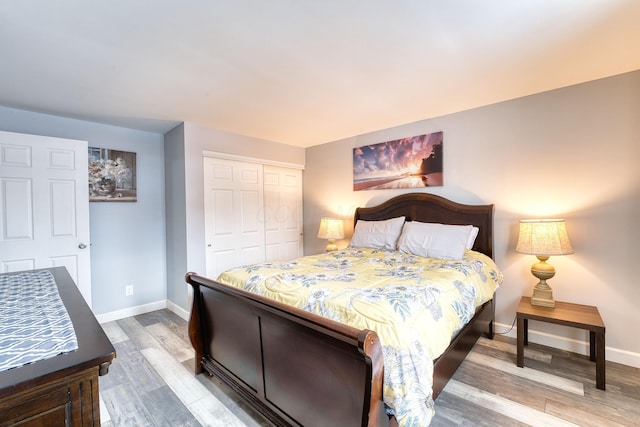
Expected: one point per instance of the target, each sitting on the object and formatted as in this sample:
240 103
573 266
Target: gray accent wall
176 212
572 153
127 239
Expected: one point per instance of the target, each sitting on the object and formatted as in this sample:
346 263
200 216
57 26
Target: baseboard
178 310
131 311
142 309
612 354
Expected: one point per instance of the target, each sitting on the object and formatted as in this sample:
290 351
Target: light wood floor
151 383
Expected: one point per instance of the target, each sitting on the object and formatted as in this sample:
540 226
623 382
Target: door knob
82 246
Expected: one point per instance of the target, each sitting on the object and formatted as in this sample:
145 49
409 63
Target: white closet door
283 213
44 206
234 215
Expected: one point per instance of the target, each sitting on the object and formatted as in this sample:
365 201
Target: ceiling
301 72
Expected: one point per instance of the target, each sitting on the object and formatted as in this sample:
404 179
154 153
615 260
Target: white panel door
283 213
44 206
234 216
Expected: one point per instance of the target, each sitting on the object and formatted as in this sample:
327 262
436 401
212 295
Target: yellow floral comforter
414 304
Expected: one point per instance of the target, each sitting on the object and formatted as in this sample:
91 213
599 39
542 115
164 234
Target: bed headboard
425 207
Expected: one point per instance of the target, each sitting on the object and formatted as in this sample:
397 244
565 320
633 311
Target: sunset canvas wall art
402 163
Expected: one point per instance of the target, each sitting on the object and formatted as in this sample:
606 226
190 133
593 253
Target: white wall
127 239
188 141
570 153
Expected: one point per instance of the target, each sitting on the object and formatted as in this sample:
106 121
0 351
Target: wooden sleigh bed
298 368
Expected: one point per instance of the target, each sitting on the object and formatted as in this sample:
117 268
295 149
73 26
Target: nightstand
575 315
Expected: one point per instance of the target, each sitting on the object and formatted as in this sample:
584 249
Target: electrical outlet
128 290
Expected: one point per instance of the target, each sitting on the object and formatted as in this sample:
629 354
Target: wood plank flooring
151 383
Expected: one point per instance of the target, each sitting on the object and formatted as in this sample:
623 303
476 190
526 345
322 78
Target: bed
61 389
296 367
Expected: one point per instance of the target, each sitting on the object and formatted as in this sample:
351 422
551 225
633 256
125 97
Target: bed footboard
293 367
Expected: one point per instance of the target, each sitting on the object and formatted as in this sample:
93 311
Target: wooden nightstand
567 314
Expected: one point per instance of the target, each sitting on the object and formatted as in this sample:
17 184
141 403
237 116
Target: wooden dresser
63 390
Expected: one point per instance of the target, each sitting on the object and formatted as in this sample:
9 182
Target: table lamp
331 229
543 238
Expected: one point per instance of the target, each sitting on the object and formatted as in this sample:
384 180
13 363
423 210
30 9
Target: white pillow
435 240
377 234
472 237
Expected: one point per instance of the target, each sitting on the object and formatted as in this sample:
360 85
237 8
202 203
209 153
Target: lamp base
542 293
543 297
331 246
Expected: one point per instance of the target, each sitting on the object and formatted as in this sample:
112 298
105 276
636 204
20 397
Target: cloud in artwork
393 158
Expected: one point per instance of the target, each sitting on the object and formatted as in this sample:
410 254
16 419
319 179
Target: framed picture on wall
112 175
402 163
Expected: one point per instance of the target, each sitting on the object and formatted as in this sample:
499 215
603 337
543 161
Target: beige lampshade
543 237
331 228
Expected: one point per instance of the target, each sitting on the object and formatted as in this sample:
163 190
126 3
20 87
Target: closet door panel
234 219
283 212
